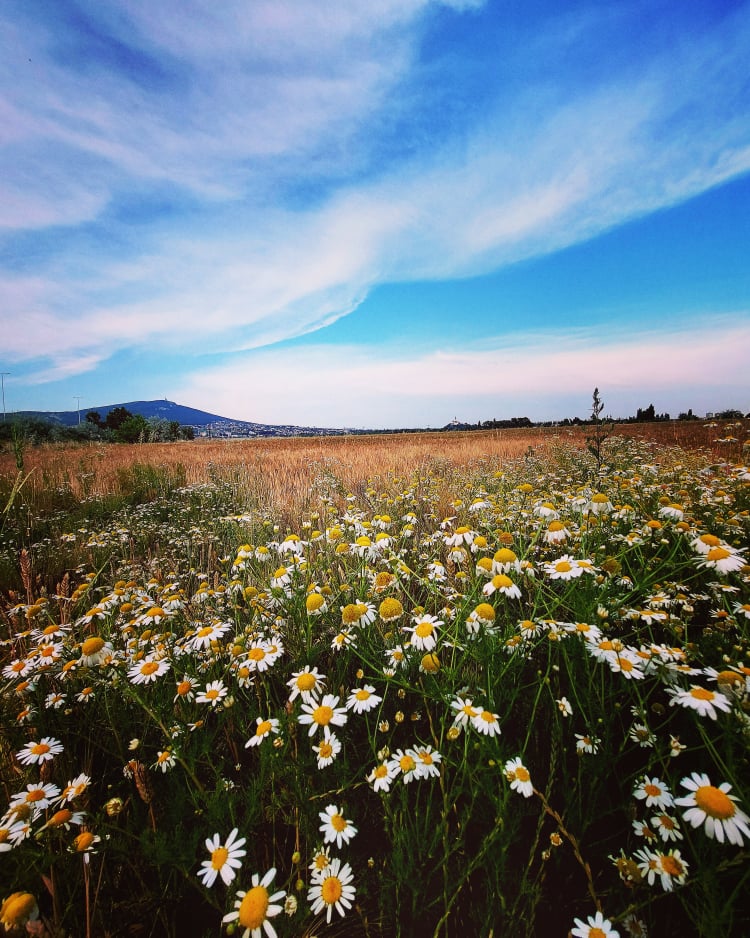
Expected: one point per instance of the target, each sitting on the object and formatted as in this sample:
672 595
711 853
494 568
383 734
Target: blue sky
375 214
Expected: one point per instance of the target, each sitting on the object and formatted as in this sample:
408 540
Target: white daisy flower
714 808
254 907
331 889
335 827
519 777
36 753
704 701
362 699
224 858
263 728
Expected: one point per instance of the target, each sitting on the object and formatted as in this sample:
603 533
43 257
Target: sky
375 214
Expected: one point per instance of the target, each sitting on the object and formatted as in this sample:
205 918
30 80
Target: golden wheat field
281 470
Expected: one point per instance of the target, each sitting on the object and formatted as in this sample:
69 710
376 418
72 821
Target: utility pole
78 400
3 375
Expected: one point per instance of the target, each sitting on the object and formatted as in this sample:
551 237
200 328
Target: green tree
132 430
117 417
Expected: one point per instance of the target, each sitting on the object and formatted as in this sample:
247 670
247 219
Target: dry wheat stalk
26 573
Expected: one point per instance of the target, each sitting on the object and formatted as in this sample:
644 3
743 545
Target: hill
201 421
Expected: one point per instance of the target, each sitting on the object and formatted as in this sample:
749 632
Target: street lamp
2 381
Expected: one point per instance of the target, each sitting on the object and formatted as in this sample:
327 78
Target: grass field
487 683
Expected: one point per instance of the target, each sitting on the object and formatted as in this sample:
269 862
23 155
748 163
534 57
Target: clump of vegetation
119 426
600 431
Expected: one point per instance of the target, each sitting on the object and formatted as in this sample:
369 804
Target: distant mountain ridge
200 420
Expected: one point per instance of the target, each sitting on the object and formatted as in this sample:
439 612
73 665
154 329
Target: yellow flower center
331 890
338 823
381 771
728 677
36 794
206 630
430 663
505 555
212 694
362 694
183 688
714 802
326 750
562 566
652 791
17 908
702 693
522 774
718 553
60 817
92 645
83 841
501 581
39 749
306 681
263 728
710 540
148 667
625 664
407 764
257 654
424 629
391 609
322 715
485 611
253 908
219 857
350 614
488 717
671 865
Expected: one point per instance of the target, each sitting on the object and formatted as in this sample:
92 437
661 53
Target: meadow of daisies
508 697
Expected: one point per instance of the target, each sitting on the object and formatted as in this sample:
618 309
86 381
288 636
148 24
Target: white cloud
540 376
251 95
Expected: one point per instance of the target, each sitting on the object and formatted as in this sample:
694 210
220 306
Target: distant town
167 421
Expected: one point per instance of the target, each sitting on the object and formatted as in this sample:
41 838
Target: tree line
119 426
